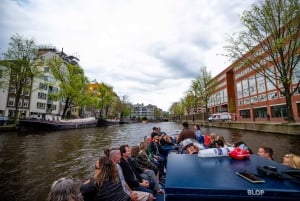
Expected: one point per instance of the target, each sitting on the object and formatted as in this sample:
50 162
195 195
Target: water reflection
30 163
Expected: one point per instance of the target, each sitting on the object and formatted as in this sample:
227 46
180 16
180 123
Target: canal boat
190 177
51 125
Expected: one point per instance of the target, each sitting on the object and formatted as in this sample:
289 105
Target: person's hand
134 196
144 183
87 181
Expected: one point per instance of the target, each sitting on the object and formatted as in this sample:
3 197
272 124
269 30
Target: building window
279 111
297 90
261 87
271 75
245 88
42 96
46 69
253 99
245 113
25 103
40 105
43 86
270 85
260 112
26 91
241 102
252 85
296 74
247 101
20 102
272 95
53 107
12 90
239 90
262 97
11 101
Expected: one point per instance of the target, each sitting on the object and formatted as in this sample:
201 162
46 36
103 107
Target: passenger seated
165 139
199 136
64 189
134 181
155 152
185 133
265 152
226 144
190 146
219 144
291 160
144 172
239 143
213 138
191 149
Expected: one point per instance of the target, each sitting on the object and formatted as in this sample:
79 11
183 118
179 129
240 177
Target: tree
122 107
72 82
270 45
188 103
19 67
157 113
106 98
204 86
192 96
176 110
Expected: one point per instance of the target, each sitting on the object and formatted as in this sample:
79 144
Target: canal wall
282 128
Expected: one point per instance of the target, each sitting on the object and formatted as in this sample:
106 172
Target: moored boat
48 125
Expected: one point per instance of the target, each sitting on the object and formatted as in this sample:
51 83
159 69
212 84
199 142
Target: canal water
29 163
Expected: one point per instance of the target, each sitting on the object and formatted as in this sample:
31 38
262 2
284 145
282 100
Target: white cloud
149 50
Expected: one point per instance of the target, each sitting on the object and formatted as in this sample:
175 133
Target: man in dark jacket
185 133
135 182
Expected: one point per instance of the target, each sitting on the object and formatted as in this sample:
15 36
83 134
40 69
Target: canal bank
270 127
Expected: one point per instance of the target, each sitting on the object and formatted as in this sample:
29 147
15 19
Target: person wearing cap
185 133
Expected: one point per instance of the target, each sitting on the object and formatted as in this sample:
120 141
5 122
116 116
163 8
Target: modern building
141 111
250 96
223 100
258 99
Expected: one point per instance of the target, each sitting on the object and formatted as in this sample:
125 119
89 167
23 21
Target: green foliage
177 109
106 98
19 67
72 82
201 89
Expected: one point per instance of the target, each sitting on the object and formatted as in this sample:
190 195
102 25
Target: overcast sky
148 50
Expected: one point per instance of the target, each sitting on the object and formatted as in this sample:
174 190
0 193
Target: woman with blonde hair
291 160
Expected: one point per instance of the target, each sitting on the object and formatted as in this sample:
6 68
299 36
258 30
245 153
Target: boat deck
190 177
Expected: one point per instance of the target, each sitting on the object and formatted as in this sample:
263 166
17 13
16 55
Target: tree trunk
288 99
65 108
16 114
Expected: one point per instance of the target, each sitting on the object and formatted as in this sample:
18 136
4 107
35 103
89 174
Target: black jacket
109 191
131 178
